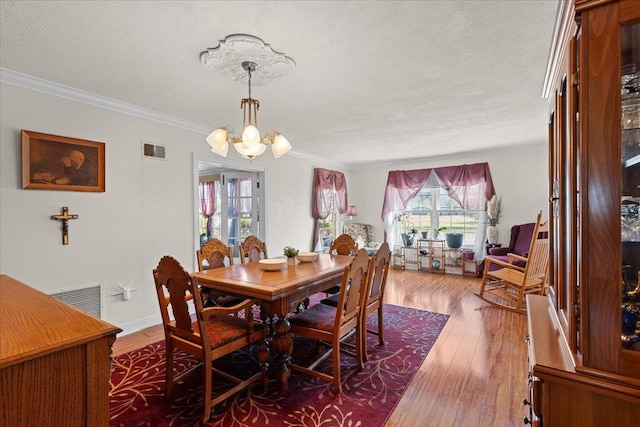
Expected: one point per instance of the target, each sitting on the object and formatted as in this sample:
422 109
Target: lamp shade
280 146
351 212
249 151
218 141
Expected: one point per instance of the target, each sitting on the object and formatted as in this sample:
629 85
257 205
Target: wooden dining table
279 293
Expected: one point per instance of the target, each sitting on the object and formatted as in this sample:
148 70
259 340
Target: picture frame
53 162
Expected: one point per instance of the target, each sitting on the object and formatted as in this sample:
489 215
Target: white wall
147 210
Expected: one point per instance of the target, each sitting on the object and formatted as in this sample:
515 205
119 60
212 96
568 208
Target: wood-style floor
476 373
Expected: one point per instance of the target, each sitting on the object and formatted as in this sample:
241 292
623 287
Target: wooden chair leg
168 374
380 325
207 389
337 384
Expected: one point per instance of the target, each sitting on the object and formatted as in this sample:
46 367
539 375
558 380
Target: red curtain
326 185
470 185
208 203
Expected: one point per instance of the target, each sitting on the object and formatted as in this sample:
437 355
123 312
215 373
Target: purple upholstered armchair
519 244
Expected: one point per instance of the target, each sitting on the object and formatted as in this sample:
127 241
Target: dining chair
215 254
333 325
211 334
343 245
252 249
375 295
507 286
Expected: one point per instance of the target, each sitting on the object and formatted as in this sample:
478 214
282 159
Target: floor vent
155 151
87 299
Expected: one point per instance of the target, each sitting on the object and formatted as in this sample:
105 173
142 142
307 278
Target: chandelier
249 144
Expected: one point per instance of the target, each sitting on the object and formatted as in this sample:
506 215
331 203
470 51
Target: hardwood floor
475 375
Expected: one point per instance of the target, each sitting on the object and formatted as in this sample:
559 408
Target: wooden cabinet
54 361
581 373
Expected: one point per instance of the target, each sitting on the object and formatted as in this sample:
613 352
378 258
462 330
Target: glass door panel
630 198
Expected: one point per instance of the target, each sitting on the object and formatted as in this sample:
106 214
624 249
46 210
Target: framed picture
51 162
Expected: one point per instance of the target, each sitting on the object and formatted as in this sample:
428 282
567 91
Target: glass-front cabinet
630 199
584 345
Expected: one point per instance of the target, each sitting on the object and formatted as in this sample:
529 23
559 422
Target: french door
240 207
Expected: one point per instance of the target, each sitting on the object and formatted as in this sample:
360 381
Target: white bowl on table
307 256
272 264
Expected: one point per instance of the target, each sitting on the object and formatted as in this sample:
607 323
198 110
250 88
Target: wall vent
87 299
151 150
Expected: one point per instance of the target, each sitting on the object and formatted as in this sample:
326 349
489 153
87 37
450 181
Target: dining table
278 293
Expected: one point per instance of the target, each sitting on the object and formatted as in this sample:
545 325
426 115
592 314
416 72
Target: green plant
436 232
290 251
413 231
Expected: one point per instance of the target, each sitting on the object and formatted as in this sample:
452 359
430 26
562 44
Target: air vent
87 299
151 150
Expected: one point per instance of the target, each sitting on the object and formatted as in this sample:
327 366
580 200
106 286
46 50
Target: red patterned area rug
367 400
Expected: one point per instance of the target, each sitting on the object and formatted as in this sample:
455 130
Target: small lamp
351 212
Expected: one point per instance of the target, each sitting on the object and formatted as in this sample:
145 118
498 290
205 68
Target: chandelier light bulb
251 135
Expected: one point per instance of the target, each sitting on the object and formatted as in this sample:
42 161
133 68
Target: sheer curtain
327 184
470 185
208 203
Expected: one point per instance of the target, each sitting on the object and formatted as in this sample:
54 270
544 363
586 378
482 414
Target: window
431 209
328 227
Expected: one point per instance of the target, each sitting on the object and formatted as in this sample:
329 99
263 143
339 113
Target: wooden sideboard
563 394
54 361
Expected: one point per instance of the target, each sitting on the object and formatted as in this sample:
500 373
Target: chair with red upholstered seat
375 295
333 325
210 336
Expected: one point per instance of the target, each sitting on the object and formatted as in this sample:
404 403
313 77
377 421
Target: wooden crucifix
65 217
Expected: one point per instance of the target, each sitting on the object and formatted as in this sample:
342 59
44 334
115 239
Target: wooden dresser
54 361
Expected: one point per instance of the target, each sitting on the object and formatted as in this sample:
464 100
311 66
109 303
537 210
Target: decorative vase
492 234
291 261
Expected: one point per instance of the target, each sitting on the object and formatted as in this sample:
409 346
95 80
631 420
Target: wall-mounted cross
65 217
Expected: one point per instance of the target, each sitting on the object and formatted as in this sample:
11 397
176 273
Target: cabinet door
608 45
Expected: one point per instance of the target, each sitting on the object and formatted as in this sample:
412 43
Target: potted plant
409 230
290 252
436 232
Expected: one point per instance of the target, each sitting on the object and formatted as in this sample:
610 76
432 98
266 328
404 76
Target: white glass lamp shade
251 135
218 142
249 151
280 146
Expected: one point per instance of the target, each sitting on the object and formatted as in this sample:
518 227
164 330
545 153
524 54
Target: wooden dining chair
343 245
375 295
333 325
210 336
507 286
252 249
215 254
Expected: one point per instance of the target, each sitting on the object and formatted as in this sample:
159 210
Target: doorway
233 196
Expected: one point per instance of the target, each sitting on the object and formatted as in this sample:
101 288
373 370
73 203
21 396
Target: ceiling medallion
228 56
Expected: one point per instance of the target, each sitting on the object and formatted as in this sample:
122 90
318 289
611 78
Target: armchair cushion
361 233
519 244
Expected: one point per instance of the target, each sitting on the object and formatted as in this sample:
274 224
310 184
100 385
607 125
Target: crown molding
30 82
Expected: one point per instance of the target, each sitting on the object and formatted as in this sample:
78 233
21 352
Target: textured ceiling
375 82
